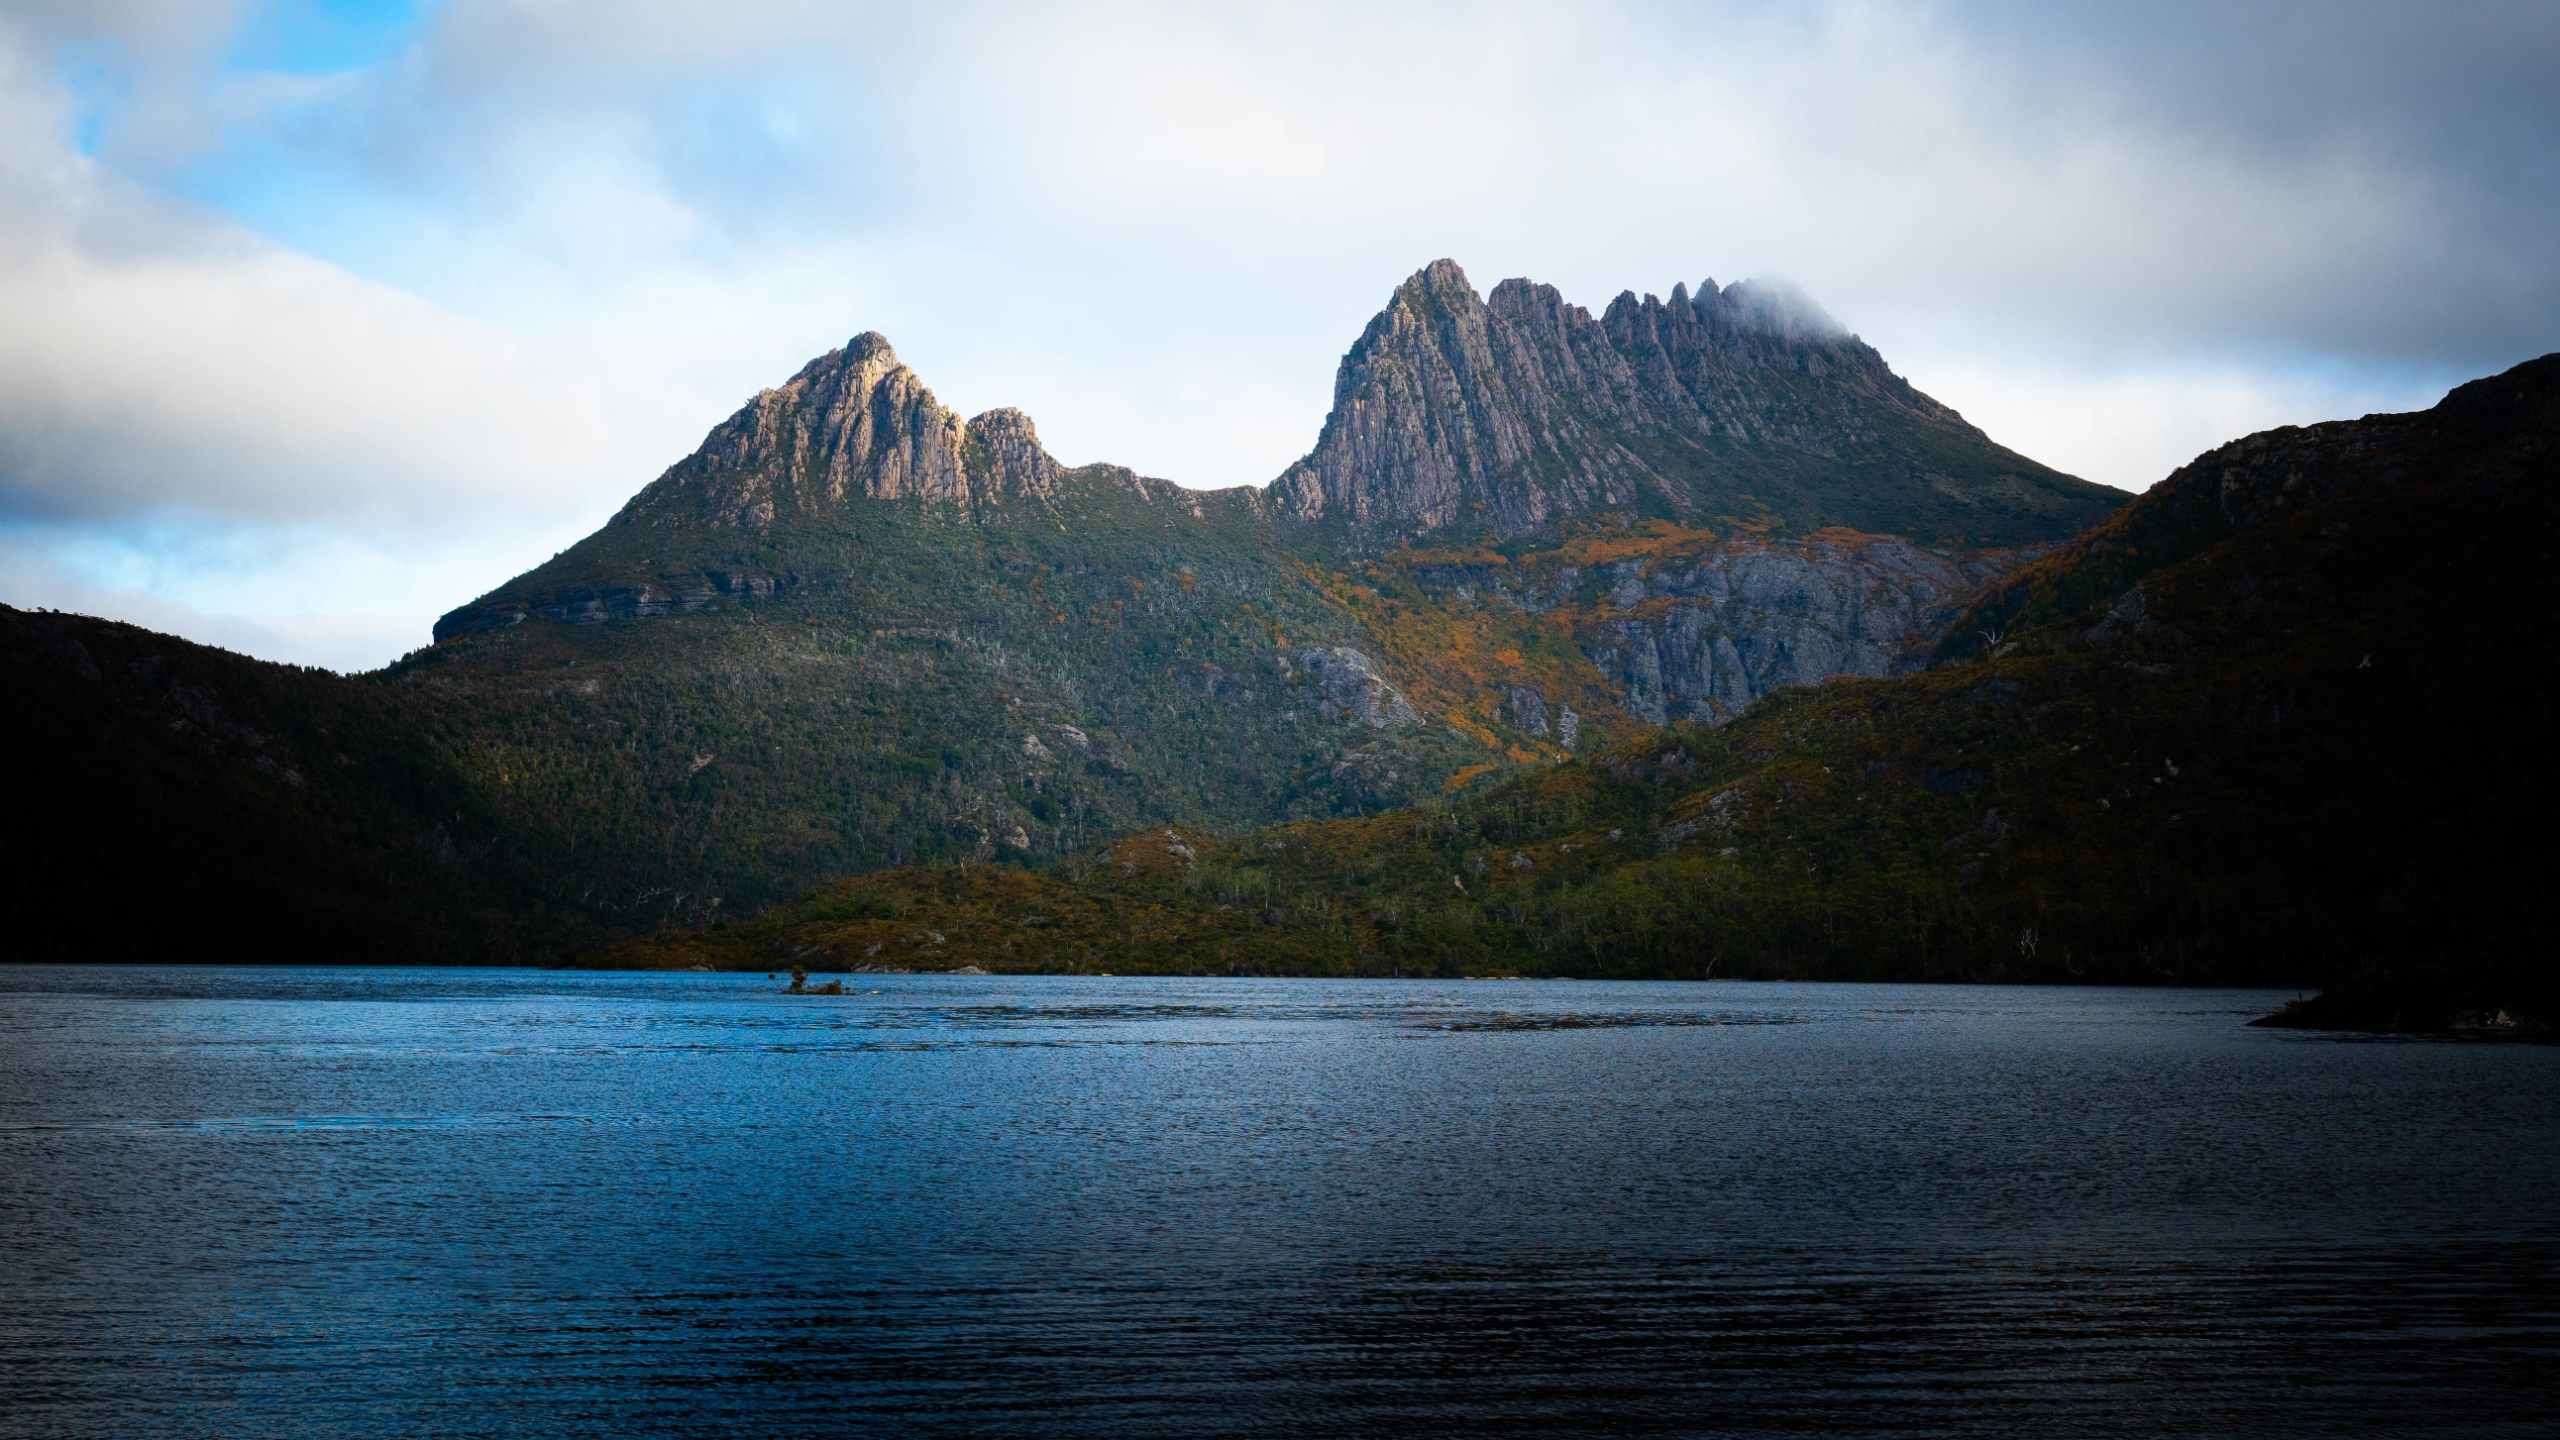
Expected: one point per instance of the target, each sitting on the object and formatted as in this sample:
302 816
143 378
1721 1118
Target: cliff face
853 429
1507 415
1653 624
1772 505
1829 513
1701 640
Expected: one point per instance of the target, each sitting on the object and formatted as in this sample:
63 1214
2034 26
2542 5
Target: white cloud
157 359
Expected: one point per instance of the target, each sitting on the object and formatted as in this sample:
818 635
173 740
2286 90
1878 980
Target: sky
321 317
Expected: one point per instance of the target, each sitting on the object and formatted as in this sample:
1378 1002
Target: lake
352 1202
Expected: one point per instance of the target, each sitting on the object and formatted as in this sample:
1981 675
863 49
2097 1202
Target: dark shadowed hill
182 803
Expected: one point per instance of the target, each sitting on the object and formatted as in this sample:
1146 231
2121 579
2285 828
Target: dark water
332 1203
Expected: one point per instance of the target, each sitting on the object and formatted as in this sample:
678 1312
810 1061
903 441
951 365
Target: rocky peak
853 423
1441 394
1511 413
1441 278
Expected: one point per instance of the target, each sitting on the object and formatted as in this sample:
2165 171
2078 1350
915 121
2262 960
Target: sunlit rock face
1507 414
853 423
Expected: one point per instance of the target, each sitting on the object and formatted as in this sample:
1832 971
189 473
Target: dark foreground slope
2281 719
178 802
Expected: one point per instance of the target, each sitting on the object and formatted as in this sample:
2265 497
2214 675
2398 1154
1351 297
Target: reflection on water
325 1203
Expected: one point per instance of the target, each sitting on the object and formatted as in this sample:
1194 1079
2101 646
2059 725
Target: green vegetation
931 687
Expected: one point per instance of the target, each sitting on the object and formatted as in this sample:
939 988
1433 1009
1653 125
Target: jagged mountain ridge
1508 414
1454 416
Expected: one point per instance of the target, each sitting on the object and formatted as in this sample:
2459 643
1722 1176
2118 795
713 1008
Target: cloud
158 359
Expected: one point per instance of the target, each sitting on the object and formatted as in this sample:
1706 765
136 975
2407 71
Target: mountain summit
1507 414
853 422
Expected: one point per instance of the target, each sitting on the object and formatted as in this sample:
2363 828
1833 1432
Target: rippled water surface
280 1203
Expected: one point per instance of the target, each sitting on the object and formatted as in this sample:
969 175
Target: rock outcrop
1349 685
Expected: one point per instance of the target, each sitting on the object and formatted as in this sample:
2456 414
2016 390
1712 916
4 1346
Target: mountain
2277 720
855 630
